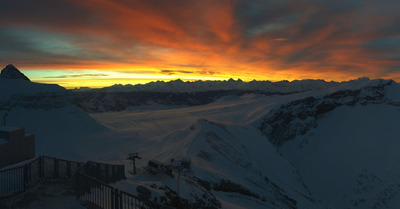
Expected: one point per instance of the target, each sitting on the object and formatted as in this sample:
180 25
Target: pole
134 166
133 157
179 172
177 190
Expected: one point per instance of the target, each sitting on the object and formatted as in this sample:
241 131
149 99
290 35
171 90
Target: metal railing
91 190
21 178
92 187
12 181
91 181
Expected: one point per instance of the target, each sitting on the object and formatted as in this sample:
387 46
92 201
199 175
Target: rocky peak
11 72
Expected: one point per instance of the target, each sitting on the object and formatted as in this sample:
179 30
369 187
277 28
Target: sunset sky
103 42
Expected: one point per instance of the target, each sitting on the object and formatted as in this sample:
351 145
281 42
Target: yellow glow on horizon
109 75
98 78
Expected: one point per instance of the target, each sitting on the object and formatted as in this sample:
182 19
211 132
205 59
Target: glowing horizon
71 79
99 43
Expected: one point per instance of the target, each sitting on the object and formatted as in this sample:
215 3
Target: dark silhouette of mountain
11 72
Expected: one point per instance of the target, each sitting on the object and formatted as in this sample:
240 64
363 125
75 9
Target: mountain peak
11 72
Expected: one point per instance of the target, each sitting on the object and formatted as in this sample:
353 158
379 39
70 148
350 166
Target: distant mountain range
179 86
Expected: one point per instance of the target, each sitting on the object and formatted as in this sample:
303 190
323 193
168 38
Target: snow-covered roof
8 128
156 161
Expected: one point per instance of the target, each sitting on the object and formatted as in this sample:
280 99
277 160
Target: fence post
77 185
113 173
112 198
98 171
56 168
106 174
26 177
123 172
86 167
41 167
116 198
69 169
121 206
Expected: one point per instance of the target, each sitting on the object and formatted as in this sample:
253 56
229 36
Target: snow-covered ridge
298 117
45 101
21 93
350 159
223 161
13 82
199 92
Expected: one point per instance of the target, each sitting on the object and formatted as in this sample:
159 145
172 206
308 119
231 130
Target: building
181 162
155 166
15 146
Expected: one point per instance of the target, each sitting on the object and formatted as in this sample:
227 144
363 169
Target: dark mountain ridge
11 72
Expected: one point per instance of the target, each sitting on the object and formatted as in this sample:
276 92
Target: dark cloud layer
288 39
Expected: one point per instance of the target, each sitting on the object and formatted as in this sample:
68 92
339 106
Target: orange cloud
338 40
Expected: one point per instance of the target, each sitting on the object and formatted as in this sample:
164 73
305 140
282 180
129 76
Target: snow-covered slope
240 155
48 111
345 144
65 132
234 162
351 160
21 88
299 116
